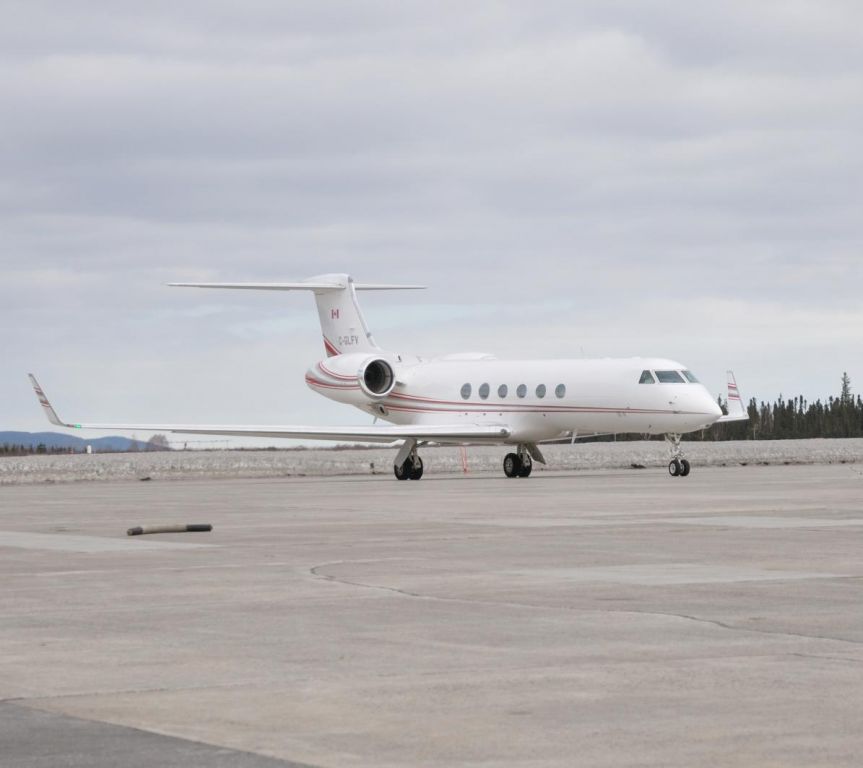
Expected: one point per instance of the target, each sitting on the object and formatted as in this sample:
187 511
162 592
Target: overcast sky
670 178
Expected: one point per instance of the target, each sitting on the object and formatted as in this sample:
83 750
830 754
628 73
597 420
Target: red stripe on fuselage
517 409
429 405
472 405
318 383
335 375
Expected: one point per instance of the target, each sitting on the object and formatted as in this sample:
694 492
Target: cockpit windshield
667 377
670 377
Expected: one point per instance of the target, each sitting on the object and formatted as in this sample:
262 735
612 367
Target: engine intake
377 378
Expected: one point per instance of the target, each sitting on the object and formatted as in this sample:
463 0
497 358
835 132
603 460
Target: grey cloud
609 159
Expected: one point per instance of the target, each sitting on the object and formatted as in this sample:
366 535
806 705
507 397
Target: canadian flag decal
334 314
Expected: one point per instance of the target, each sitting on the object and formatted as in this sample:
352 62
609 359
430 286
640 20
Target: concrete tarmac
609 618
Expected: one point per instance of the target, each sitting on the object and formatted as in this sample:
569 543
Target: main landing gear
410 469
518 464
410 466
678 466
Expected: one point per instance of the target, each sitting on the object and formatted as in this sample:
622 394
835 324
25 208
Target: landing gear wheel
416 471
402 471
526 466
511 465
678 466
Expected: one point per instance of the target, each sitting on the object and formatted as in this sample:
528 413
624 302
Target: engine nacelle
376 378
355 379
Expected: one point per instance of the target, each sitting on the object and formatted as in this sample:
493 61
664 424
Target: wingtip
50 413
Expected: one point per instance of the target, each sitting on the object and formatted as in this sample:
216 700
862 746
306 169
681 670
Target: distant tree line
840 416
155 443
20 449
794 419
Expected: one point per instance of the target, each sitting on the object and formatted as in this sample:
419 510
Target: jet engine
376 378
355 379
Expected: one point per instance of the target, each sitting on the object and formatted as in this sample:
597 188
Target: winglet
47 407
736 411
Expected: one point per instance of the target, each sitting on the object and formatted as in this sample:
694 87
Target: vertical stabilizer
342 324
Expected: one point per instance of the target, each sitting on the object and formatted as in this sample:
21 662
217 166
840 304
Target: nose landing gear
678 466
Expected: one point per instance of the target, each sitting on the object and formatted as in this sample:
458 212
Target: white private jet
471 398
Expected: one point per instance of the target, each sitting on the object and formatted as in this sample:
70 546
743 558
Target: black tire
684 467
511 465
674 468
402 471
526 467
416 471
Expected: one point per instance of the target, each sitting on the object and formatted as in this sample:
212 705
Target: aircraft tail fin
736 409
342 323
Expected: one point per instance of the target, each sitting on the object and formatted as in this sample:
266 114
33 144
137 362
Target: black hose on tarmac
192 528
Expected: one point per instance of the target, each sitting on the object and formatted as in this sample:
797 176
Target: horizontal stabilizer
343 327
309 286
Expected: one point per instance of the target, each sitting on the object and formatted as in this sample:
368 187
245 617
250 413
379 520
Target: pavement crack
845 659
35 700
316 572
735 628
327 577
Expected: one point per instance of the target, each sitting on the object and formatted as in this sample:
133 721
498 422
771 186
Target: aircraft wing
736 411
385 433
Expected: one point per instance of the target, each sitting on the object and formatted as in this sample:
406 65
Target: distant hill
59 440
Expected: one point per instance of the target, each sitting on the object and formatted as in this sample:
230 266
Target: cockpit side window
646 378
669 377
690 377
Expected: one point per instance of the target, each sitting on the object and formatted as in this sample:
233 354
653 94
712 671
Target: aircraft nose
712 406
